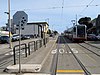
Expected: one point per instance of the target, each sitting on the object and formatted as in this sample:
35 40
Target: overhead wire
62 7
62 10
55 7
87 6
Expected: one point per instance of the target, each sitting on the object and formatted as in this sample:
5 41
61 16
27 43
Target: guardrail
22 48
45 41
32 46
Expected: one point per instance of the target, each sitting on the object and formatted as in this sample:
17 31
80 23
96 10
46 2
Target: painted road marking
70 52
61 51
70 71
54 51
74 50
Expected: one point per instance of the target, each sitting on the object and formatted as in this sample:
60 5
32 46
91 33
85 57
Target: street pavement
57 58
6 54
35 61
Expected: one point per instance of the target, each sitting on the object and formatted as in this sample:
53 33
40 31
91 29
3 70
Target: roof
39 23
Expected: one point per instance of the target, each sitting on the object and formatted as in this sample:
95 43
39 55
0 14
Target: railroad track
92 45
55 59
95 50
86 72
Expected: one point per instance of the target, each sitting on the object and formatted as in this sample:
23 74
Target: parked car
15 37
23 37
91 37
98 36
4 39
27 36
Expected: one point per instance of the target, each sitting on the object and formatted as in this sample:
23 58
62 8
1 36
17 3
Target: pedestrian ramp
24 68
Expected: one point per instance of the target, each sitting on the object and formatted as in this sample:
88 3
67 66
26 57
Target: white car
15 37
98 36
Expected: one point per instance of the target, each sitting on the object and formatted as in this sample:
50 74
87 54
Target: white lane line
74 50
47 54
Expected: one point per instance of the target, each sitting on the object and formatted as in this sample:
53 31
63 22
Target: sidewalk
6 54
35 61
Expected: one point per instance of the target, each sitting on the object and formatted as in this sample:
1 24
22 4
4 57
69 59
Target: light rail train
77 33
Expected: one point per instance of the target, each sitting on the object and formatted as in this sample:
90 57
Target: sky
58 13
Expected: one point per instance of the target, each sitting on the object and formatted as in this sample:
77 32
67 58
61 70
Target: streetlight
77 18
73 21
9 24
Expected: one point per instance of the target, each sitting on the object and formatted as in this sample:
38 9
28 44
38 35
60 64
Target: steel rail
55 59
92 45
79 62
89 49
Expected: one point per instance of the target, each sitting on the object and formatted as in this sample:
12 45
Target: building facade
98 24
36 29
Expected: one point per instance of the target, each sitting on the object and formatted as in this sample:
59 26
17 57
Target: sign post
22 22
20 19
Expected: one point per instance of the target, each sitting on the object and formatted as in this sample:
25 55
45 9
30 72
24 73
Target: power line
55 7
62 8
87 6
75 6
90 2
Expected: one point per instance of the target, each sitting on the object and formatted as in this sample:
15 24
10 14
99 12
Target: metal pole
44 35
9 21
19 47
76 19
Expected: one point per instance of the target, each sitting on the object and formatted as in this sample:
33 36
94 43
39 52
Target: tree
86 21
49 31
55 32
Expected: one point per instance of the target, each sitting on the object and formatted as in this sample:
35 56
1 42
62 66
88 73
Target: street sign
20 19
18 16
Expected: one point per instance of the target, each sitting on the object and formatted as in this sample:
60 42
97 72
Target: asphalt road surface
61 56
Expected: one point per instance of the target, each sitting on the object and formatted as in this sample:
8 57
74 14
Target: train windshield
80 31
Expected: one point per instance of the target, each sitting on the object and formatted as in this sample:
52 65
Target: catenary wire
87 6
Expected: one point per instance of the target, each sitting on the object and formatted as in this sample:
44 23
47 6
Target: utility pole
9 22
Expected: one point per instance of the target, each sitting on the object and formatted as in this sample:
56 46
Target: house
37 29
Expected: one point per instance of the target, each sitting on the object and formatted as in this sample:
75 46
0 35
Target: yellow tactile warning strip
70 71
